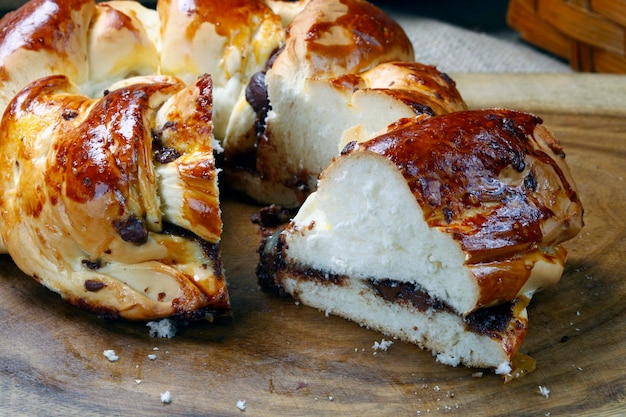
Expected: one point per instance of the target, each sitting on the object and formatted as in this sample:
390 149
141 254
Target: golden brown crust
49 33
51 26
231 40
504 279
329 38
421 86
227 16
494 179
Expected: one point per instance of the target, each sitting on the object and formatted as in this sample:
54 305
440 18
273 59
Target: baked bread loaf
437 232
116 118
113 202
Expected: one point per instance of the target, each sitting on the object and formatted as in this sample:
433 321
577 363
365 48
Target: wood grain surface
287 359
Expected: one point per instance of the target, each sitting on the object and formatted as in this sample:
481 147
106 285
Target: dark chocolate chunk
132 230
93 285
92 264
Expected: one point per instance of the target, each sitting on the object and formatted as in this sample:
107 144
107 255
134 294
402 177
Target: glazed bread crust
92 210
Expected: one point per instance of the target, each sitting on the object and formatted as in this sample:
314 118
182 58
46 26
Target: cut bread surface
364 222
483 340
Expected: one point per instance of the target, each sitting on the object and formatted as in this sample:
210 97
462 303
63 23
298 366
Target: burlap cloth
455 49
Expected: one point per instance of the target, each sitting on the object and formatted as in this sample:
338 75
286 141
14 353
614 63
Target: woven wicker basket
590 34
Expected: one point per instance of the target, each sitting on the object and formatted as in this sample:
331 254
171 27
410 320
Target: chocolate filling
69 114
257 97
270 262
211 250
162 154
93 265
530 182
406 293
93 285
489 321
419 108
256 92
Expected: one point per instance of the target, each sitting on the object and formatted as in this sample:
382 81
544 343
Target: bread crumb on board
545 391
166 397
110 355
162 328
383 345
503 369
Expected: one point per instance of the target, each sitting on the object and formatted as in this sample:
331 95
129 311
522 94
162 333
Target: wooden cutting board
287 359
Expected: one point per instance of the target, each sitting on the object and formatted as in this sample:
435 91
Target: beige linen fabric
455 49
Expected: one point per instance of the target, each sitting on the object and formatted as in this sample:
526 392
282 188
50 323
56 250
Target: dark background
478 15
